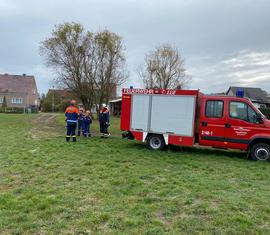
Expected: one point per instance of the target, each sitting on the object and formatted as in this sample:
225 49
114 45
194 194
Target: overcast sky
224 43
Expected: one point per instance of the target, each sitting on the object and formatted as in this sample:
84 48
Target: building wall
19 86
33 96
230 93
11 97
115 108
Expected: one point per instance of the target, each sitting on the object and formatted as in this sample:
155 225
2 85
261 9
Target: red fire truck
187 117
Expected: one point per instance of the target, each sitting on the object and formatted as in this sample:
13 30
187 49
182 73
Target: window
240 110
252 115
214 109
1 100
15 100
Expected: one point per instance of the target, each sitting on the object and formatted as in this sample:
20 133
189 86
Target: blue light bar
240 92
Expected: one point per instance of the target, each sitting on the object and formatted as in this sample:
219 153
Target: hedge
17 110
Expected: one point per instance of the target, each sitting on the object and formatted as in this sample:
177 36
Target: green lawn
115 186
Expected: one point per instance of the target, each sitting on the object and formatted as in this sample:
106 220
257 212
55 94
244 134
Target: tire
260 152
155 142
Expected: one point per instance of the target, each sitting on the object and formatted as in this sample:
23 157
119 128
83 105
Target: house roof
65 94
116 100
219 93
17 83
253 93
61 92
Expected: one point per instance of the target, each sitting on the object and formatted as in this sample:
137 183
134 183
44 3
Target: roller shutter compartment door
140 112
173 114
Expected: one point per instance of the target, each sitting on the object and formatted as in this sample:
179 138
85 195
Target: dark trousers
80 127
86 131
103 128
71 129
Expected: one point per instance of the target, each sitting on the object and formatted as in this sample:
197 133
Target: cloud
246 68
207 33
250 58
44 79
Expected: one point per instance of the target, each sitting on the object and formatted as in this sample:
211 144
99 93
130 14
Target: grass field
115 186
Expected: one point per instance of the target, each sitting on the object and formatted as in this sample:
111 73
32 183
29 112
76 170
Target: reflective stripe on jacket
71 114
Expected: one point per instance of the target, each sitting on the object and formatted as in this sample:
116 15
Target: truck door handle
204 123
228 125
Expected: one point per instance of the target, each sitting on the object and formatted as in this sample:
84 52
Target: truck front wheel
260 152
155 142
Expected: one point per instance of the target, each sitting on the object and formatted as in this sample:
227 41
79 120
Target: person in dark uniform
104 121
86 124
80 122
72 115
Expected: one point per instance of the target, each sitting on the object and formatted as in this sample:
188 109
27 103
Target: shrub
11 110
18 110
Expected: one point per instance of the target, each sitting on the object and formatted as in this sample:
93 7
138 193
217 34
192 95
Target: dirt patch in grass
50 125
45 126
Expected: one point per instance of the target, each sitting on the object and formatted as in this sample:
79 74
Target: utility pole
53 100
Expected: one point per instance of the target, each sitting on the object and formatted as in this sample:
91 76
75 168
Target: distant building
56 100
115 106
19 91
63 96
257 96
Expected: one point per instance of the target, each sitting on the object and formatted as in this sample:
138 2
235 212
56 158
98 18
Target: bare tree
164 68
87 63
108 63
65 51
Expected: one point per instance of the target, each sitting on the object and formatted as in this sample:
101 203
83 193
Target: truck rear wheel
260 152
155 142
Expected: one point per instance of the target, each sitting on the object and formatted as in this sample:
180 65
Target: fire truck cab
187 117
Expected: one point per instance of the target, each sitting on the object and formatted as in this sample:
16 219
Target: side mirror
259 118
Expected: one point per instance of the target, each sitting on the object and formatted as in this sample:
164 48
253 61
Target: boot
79 133
74 139
106 135
67 138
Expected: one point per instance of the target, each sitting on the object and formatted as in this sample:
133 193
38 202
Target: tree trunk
86 104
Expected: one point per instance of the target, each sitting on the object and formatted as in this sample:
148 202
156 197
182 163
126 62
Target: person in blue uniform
80 121
104 121
72 115
87 121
